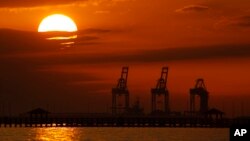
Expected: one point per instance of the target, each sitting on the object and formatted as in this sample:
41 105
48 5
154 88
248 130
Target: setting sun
57 22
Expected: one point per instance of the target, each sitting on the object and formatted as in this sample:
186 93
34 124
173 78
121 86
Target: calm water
114 134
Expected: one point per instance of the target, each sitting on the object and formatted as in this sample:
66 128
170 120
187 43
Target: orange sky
195 38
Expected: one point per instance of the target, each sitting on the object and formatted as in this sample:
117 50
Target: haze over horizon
194 38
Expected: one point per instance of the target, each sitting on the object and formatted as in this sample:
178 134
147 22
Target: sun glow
57 22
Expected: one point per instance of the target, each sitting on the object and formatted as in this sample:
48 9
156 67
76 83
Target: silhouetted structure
123 121
201 91
136 109
215 113
38 113
161 90
119 91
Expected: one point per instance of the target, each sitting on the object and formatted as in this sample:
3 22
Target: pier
122 121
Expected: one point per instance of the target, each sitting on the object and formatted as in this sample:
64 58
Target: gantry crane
201 91
161 90
121 90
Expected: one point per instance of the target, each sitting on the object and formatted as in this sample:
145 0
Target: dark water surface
114 134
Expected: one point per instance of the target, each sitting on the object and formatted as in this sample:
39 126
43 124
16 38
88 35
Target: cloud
15 41
20 41
195 53
239 21
154 55
34 3
102 12
38 3
24 41
192 8
95 30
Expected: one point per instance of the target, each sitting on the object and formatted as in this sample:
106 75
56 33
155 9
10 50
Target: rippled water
114 134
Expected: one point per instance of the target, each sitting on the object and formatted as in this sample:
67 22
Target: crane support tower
121 90
161 90
201 91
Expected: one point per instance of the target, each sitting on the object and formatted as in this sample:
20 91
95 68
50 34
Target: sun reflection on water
56 134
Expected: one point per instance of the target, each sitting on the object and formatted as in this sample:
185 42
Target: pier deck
116 121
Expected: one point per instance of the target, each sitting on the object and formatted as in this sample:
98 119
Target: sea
113 134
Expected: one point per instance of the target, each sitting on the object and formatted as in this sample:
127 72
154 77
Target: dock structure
119 92
158 91
42 118
117 121
200 91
